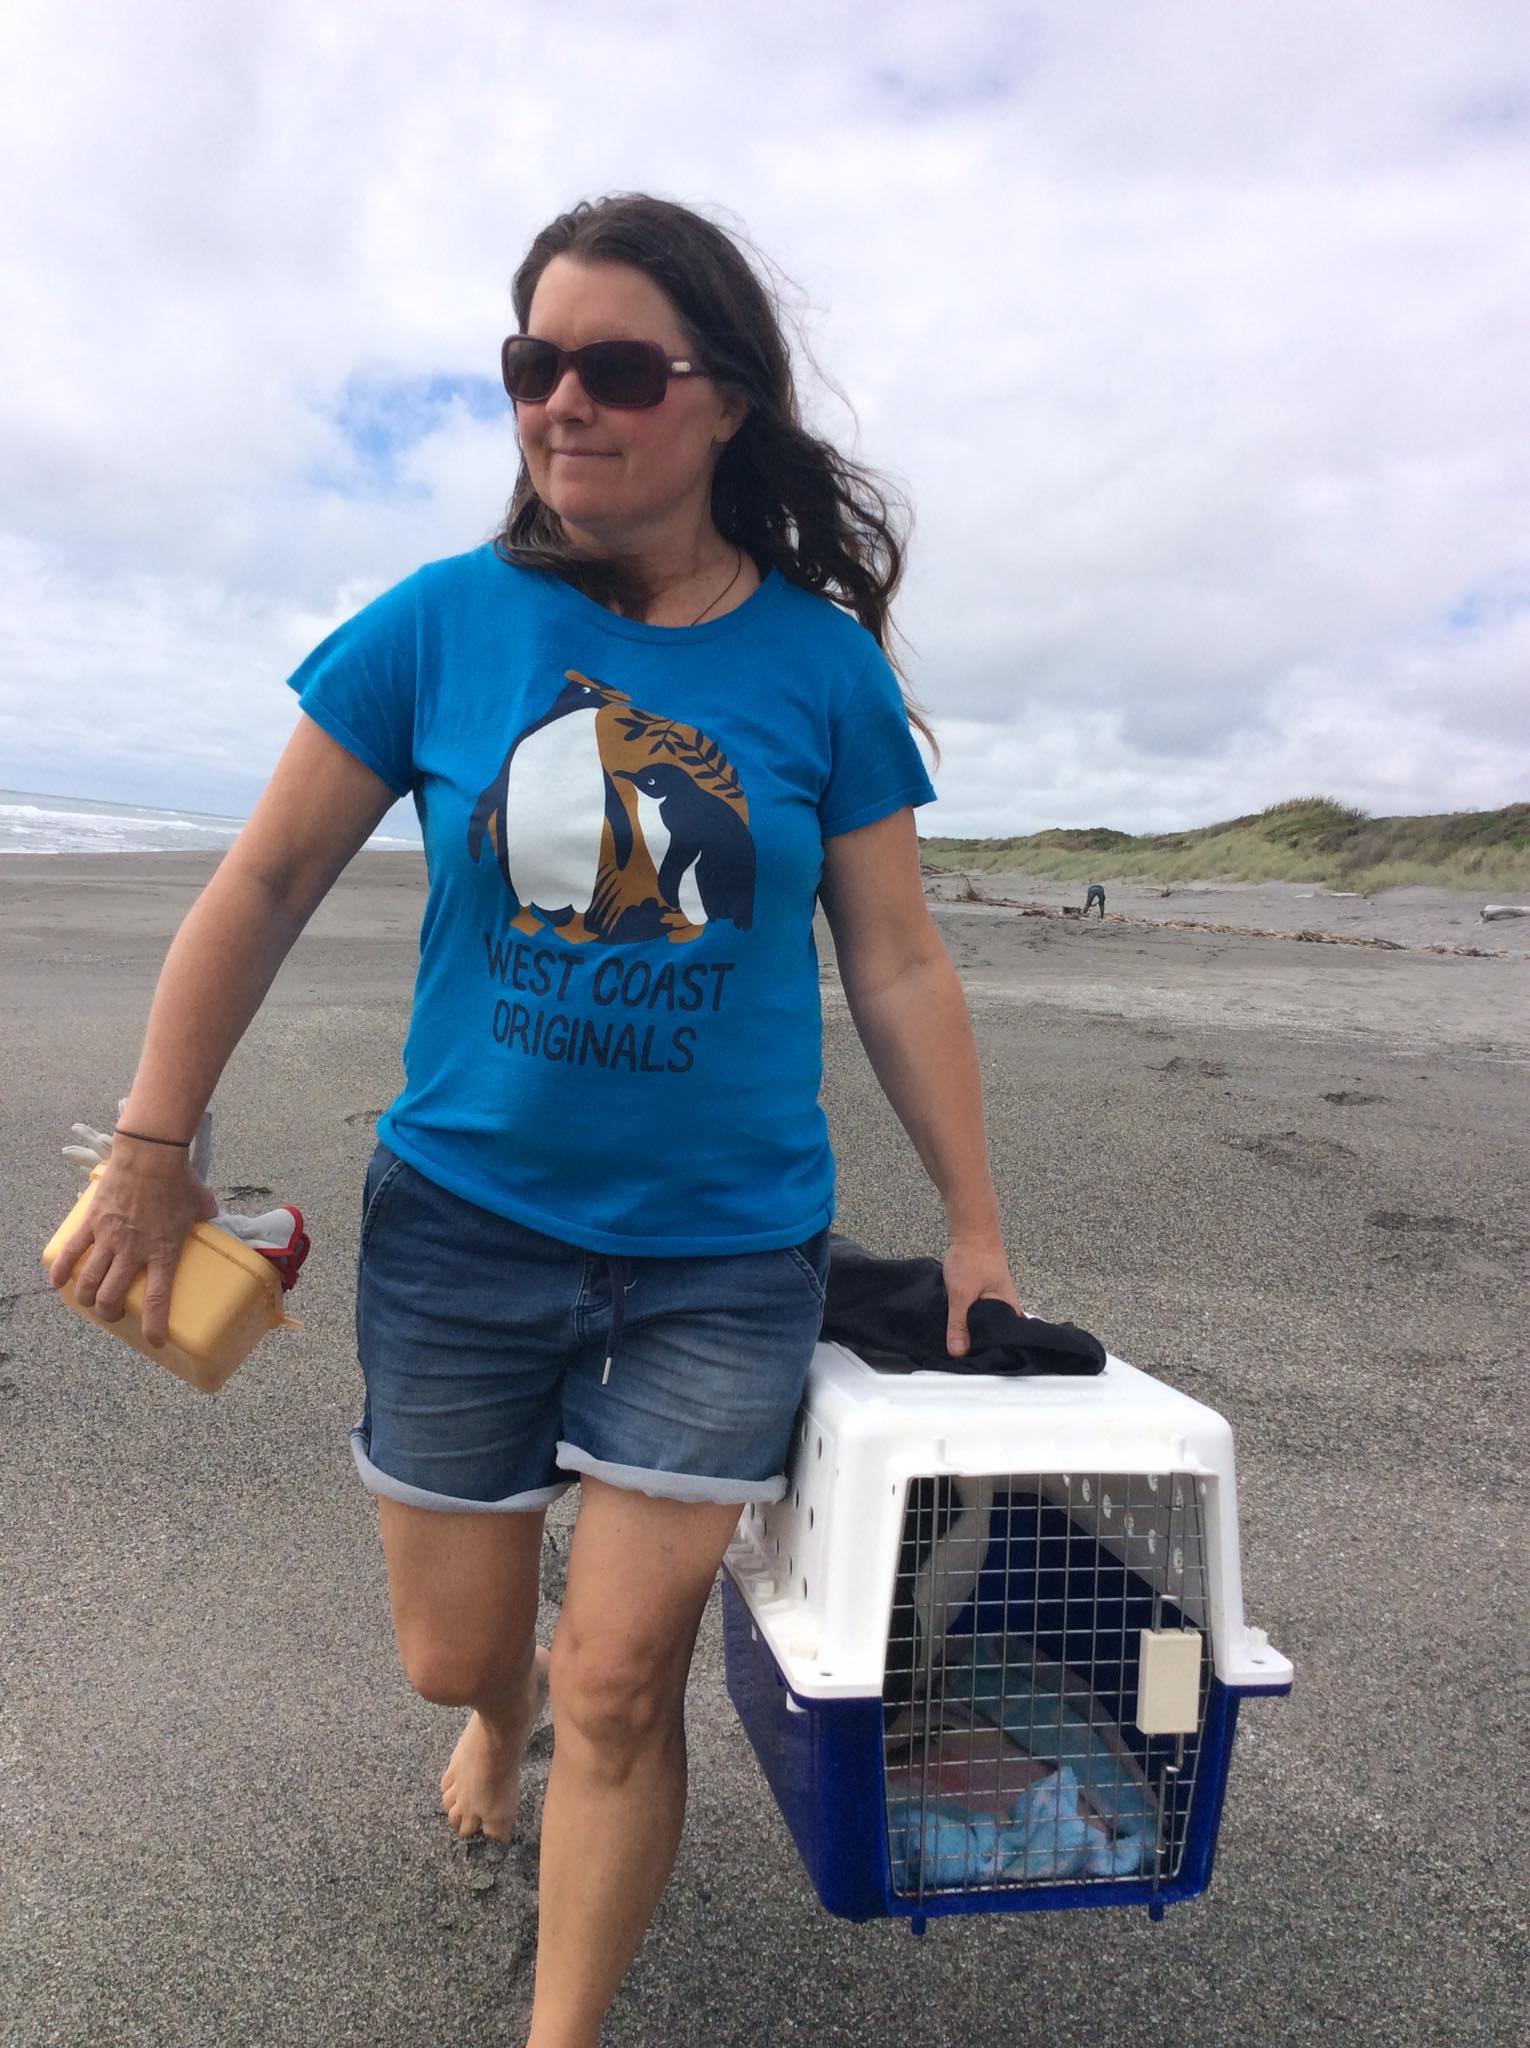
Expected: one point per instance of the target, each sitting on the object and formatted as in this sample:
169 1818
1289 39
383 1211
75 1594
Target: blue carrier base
823 1761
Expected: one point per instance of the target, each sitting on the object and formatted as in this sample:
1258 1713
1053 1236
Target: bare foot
481 1786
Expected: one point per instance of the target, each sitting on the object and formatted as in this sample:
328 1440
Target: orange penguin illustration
555 783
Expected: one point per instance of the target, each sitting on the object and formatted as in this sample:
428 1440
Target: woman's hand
976 1269
140 1216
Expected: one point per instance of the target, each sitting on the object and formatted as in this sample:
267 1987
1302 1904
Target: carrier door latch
1169 1681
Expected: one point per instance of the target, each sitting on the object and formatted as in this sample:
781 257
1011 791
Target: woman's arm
908 1007
320 808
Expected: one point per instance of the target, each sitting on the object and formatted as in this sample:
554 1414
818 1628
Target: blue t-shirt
616 1036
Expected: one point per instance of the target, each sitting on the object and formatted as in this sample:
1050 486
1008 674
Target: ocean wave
47 828
90 820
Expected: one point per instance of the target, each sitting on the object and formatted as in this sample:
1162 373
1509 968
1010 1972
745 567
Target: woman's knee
464 1597
454 1672
616 1700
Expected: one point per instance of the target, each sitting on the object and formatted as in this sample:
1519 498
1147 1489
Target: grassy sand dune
1308 839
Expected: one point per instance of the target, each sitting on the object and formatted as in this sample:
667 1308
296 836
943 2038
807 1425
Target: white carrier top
817 1569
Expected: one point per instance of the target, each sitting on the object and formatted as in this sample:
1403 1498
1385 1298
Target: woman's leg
639 1573
464 1589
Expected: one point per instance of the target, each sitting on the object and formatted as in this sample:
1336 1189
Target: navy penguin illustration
703 831
555 795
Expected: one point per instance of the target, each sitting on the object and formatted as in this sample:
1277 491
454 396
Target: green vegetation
1308 839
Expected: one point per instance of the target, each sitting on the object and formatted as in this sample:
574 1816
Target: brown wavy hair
787 498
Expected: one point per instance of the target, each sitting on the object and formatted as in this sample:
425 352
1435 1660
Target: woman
641 741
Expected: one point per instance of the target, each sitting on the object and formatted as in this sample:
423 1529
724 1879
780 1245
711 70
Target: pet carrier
990 1647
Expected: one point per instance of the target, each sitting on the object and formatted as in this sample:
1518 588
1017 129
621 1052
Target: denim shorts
500 1364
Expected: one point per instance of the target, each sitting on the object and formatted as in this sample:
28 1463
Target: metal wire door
1021 1616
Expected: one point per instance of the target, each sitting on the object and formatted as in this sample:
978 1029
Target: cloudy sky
1198 334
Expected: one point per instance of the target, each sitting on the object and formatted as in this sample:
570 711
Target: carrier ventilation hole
1105 1505
796 1496
1179 1561
1084 1491
820 1447
804 1589
1130 1525
1152 1482
1152 1542
1179 1496
810 1518
791 1564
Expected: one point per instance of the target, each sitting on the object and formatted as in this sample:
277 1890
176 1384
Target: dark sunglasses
628 374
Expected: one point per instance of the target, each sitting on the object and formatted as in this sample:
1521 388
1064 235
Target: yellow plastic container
222 1302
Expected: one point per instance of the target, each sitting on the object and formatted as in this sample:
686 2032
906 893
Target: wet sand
1289 1177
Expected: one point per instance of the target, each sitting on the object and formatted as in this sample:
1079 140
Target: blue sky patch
979 84
381 418
1492 604
1504 108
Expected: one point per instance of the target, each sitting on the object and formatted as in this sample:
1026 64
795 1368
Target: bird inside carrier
1046 1680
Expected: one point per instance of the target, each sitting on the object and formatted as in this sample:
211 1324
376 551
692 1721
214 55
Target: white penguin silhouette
555 807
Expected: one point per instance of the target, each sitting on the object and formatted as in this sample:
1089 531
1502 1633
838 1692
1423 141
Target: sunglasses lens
530 368
623 373
619 373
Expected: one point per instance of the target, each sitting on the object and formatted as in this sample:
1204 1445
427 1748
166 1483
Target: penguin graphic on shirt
580 837
706 868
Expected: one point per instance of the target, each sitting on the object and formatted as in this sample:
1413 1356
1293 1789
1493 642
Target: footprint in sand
1289 1148
362 1116
1428 1251
1351 1098
1208 1070
249 1193
1403 1219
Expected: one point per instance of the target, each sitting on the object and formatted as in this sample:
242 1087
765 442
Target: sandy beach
1288 1176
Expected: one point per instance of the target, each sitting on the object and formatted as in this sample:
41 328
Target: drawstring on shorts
620 1278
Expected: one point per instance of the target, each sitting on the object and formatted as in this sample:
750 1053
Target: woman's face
621 480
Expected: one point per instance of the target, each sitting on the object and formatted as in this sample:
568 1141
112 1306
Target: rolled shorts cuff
686 1486
389 1488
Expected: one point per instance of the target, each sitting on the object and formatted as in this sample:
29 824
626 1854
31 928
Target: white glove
272 1232
95 1147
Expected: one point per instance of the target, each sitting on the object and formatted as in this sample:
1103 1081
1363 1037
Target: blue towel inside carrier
990 1648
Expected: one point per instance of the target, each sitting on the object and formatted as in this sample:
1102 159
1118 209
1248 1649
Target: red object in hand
289 1263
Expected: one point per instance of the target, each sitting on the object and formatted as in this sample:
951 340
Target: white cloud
1198 335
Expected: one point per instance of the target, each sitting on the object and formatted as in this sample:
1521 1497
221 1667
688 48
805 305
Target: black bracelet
184 1144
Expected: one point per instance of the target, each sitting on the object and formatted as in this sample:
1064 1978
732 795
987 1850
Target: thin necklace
738 570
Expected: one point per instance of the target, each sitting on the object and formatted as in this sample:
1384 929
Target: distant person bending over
642 741
1095 895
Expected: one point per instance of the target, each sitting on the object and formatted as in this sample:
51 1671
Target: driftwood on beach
1243 931
1492 910
970 893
